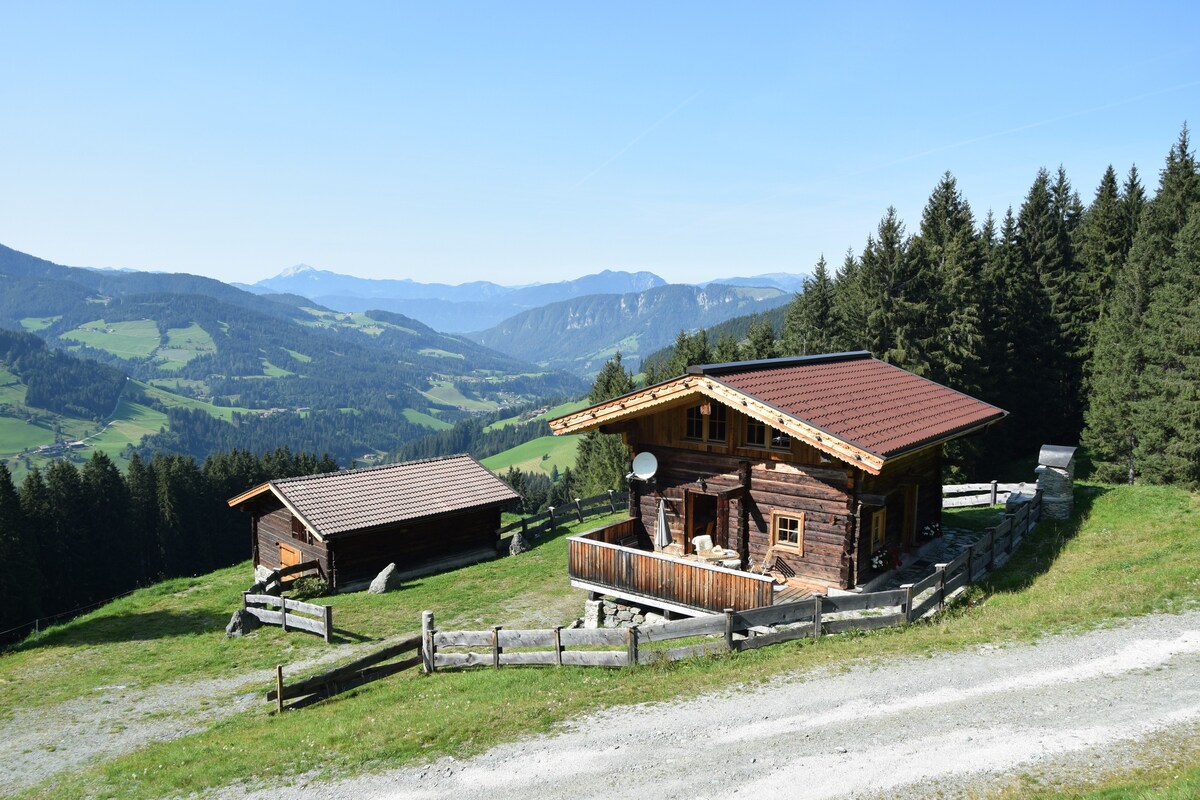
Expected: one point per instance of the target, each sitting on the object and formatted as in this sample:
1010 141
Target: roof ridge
772 363
378 467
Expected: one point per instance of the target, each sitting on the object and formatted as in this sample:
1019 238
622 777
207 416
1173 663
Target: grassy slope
557 411
1136 552
542 453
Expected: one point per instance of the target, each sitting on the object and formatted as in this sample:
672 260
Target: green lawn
428 420
133 339
17 435
447 394
184 344
272 371
172 400
543 453
12 391
33 324
303 359
1128 551
557 411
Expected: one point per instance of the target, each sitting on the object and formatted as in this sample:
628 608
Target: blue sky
523 142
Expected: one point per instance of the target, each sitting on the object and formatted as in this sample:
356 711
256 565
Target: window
787 531
878 529
706 422
299 533
716 423
757 434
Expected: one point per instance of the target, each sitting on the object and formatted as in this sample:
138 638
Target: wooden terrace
612 560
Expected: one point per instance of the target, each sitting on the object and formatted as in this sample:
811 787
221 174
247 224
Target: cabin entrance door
701 518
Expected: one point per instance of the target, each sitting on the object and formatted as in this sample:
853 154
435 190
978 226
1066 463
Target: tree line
1083 321
72 536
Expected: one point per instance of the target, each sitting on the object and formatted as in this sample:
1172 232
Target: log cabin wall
361 556
275 528
796 479
917 477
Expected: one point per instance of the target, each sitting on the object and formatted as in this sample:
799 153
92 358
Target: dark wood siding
360 556
274 529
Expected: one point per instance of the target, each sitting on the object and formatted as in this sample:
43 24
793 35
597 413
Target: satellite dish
644 466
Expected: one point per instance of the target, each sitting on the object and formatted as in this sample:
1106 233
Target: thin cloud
636 139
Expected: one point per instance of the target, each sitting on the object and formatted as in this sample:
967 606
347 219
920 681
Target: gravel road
926 727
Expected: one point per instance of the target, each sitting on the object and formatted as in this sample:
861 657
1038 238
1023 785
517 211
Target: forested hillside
1081 320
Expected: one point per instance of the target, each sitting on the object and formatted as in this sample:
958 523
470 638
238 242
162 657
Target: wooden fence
277 582
544 521
964 495
348 676
292 614
739 630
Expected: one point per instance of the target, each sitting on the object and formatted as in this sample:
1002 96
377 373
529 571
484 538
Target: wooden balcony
607 561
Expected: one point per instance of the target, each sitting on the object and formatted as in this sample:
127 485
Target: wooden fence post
427 660
993 493
283 613
612 504
729 629
279 688
940 569
245 604
816 630
908 597
328 624
495 647
631 646
550 511
970 565
558 645
991 536
579 508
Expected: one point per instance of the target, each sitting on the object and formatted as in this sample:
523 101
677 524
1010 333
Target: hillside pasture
446 393
543 453
184 344
35 324
428 420
1128 551
132 339
556 411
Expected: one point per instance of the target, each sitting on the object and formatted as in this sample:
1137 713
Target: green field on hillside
34 324
543 453
132 339
1128 551
428 420
447 394
184 344
12 391
172 400
556 411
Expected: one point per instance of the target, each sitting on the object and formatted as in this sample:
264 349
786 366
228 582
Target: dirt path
912 728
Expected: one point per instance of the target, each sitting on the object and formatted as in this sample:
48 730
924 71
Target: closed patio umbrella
662 537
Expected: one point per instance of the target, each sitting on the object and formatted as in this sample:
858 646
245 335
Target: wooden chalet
816 471
424 516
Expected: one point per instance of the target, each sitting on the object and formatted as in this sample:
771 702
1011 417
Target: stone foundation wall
610 613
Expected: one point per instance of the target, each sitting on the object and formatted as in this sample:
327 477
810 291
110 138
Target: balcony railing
597 563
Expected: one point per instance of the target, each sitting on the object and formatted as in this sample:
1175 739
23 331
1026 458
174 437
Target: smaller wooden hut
424 516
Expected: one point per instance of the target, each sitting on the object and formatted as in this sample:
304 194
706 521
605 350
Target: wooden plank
864 623
265 600
517 638
785 635
956 563
304 608
594 658
782 614
407 645
859 602
922 608
958 580
682 628
967 501
462 659
316 626
605 637
265 615
680 653
926 583
463 638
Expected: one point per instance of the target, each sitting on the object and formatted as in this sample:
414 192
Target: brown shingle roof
863 401
340 502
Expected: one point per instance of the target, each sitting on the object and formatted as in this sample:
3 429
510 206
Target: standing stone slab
386 581
241 623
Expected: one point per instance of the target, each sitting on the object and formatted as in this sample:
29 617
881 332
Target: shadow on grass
129 627
1042 546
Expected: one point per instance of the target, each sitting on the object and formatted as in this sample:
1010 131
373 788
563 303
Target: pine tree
897 328
851 306
46 550
1100 247
69 530
144 543
602 460
106 500
19 579
809 326
761 340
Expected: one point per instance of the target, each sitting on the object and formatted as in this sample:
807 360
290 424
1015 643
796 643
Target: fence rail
292 614
609 503
966 495
348 676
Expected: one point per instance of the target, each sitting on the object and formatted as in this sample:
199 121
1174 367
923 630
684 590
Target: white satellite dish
644 466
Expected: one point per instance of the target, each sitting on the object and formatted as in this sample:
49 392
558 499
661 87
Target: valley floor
1069 709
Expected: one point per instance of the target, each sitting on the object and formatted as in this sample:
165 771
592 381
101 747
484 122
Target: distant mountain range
472 306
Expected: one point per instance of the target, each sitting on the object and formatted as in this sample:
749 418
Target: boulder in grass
386 581
241 623
517 544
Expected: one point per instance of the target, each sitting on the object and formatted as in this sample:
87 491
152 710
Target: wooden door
288 556
701 518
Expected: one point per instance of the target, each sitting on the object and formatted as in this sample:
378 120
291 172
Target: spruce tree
851 306
1100 247
144 543
19 579
602 460
69 529
760 343
810 326
46 550
106 500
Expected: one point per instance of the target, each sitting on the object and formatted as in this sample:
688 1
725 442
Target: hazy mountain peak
295 271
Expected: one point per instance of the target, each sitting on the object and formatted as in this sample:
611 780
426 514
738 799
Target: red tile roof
878 407
341 502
